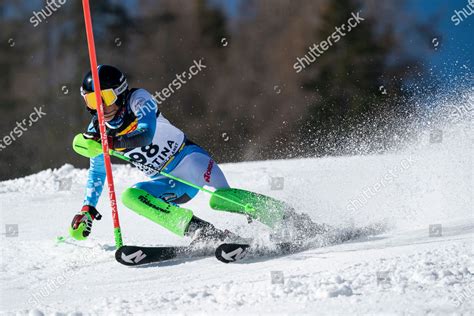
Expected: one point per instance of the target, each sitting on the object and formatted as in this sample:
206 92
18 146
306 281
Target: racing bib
166 142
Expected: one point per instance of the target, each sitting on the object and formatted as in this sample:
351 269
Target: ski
231 252
238 251
136 255
234 252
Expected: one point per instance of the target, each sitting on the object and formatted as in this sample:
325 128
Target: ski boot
297 229
202 232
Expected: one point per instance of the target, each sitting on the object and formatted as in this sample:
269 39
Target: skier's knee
148 186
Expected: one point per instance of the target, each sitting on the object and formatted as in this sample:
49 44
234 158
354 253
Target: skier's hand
82 222
96 137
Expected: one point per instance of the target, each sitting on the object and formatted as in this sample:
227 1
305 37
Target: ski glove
82 222
96 137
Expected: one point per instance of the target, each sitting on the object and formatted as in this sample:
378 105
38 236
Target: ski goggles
109 96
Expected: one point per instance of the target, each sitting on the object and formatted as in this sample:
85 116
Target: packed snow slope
411 267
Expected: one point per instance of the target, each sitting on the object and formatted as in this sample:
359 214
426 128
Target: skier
136 127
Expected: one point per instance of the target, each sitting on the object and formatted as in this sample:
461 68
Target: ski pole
117 154
100 115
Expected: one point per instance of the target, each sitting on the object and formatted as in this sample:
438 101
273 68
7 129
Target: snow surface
405 269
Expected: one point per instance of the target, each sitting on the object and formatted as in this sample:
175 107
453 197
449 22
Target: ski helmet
110 78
